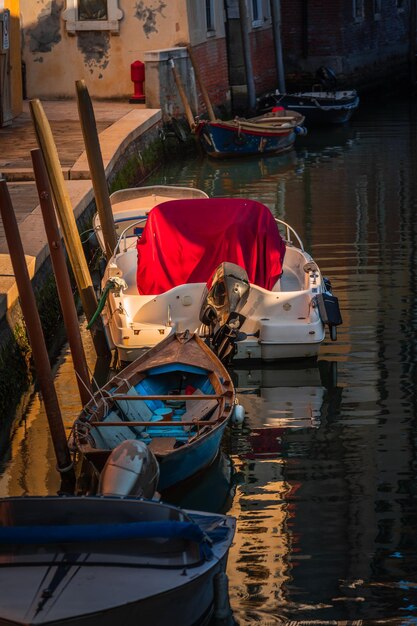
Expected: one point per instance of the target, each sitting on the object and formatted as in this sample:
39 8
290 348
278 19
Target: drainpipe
413 48
276 28
244 27
304 28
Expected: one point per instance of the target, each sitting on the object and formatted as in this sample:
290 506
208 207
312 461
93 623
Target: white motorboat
100 560
218 267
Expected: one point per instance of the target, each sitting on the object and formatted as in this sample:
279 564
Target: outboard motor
222 302
130 470
327 78
329 309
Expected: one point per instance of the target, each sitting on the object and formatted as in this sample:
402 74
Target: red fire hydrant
137 75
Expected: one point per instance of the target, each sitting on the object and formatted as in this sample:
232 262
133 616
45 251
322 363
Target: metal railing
289 231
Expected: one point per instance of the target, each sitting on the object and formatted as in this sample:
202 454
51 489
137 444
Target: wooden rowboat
177 398
93 560
271 133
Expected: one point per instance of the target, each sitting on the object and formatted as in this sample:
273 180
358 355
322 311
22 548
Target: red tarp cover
184 241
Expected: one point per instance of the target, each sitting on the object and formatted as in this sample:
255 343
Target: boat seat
289 281
109 437
197 410
162 445
135 410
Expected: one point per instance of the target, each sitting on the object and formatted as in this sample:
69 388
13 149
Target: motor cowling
225 296
130 470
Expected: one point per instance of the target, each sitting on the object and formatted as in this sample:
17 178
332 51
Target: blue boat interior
170 379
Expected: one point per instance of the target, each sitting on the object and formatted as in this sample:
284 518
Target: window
209 15
92 9
377 9
400 5
257 16
358 10
92 15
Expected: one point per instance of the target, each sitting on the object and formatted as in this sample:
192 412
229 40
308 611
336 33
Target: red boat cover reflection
184 241
265 442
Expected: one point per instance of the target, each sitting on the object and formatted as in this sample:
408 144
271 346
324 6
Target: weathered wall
55 59
162 91
314 33
15 57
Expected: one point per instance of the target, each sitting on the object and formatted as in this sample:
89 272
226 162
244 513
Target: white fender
238 415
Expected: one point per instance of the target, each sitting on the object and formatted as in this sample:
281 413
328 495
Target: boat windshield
184 241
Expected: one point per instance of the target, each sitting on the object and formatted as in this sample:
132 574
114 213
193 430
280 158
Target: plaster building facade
10 62
235 44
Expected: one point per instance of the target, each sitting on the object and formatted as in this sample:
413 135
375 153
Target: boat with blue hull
272 133
176 399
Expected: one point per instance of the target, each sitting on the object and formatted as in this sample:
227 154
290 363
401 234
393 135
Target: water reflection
212 491
219 177
285 407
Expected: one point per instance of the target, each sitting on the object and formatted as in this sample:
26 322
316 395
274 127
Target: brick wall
263 60
320 32
211 58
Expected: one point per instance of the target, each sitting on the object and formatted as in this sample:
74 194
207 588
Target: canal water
322 475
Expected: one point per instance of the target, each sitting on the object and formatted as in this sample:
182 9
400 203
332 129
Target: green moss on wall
138 166
16 364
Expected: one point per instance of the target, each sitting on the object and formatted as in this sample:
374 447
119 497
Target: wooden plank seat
197 410
162 445
112 435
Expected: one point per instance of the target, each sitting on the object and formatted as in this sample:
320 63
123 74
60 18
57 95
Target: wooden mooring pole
68 224
95 162
201 84
63 283
34 328
188 113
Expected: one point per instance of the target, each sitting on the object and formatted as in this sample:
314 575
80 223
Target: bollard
137 75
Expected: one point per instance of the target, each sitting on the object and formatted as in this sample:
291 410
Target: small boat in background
176 399
264 135
318 107
93 560
323 105
270 133
130 205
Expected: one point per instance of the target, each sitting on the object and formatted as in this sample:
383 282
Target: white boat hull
280 324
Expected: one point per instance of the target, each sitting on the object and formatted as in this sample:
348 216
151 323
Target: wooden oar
167 397
161 423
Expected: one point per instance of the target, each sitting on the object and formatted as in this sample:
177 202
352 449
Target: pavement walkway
118 124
